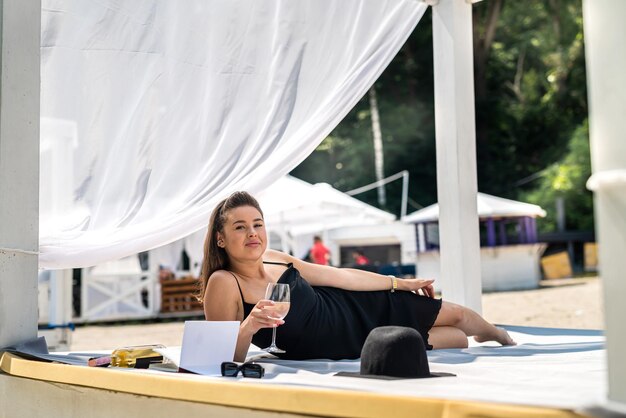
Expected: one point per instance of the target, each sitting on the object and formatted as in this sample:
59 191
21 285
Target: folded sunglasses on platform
231 369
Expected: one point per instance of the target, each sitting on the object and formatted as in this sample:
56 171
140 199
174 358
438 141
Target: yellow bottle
139 357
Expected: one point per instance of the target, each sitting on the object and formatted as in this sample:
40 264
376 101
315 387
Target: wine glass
279 294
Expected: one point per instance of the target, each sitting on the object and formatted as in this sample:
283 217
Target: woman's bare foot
500 335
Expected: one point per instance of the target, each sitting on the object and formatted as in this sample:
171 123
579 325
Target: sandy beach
563 303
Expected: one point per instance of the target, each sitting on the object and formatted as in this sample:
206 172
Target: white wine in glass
279 294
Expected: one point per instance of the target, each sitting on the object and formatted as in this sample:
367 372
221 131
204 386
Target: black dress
332 323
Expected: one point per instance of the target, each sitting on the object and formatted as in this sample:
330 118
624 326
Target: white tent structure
296 210
488 206
504 265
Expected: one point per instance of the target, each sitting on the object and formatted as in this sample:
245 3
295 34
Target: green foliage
535 95
405 99
567 179
530 112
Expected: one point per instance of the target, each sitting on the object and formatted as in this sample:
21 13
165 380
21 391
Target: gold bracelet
394 283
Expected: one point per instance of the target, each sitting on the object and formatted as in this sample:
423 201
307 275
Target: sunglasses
231 369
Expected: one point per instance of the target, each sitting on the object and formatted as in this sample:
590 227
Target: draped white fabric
153 110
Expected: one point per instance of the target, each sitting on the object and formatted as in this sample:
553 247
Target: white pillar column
421 238
605 36
19 168
456 153
60 310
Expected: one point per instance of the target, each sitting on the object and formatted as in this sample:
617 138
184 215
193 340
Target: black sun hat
394 352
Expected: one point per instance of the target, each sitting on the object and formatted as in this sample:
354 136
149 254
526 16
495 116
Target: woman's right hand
262 317
416 284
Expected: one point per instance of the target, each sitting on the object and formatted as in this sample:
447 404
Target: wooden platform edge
266 397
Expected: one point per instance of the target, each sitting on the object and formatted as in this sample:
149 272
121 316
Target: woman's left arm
351 279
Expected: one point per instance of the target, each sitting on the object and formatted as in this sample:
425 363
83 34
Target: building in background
510 251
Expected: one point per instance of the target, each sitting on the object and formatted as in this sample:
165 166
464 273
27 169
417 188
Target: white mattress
558 368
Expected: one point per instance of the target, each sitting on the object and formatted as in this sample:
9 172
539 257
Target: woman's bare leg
447 337
471 324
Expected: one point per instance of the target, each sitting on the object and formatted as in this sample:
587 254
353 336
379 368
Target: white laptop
206 344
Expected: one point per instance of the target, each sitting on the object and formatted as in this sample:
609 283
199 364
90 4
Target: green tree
405 99
530 99
535 90
567 179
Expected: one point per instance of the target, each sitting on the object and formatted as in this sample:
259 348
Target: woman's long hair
215 257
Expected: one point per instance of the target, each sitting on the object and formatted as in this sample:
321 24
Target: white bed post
456 153
19 168
605 36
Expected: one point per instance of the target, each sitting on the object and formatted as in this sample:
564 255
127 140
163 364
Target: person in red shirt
319 252
360 259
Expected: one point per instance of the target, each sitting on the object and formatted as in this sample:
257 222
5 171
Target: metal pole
405 193
560 213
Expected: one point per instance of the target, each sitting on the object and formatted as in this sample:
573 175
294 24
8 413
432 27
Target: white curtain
154 110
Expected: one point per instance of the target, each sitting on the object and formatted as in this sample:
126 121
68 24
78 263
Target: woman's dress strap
276 263
237 280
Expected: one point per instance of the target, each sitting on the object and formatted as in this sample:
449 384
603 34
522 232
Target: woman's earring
220 243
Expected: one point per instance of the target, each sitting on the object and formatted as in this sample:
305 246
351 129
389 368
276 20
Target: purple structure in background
496 232
510 252
502 228
491 232
502 222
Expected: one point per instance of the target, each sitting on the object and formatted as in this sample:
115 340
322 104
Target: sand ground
564 303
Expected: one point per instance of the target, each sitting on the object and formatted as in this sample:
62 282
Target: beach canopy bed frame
121 148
